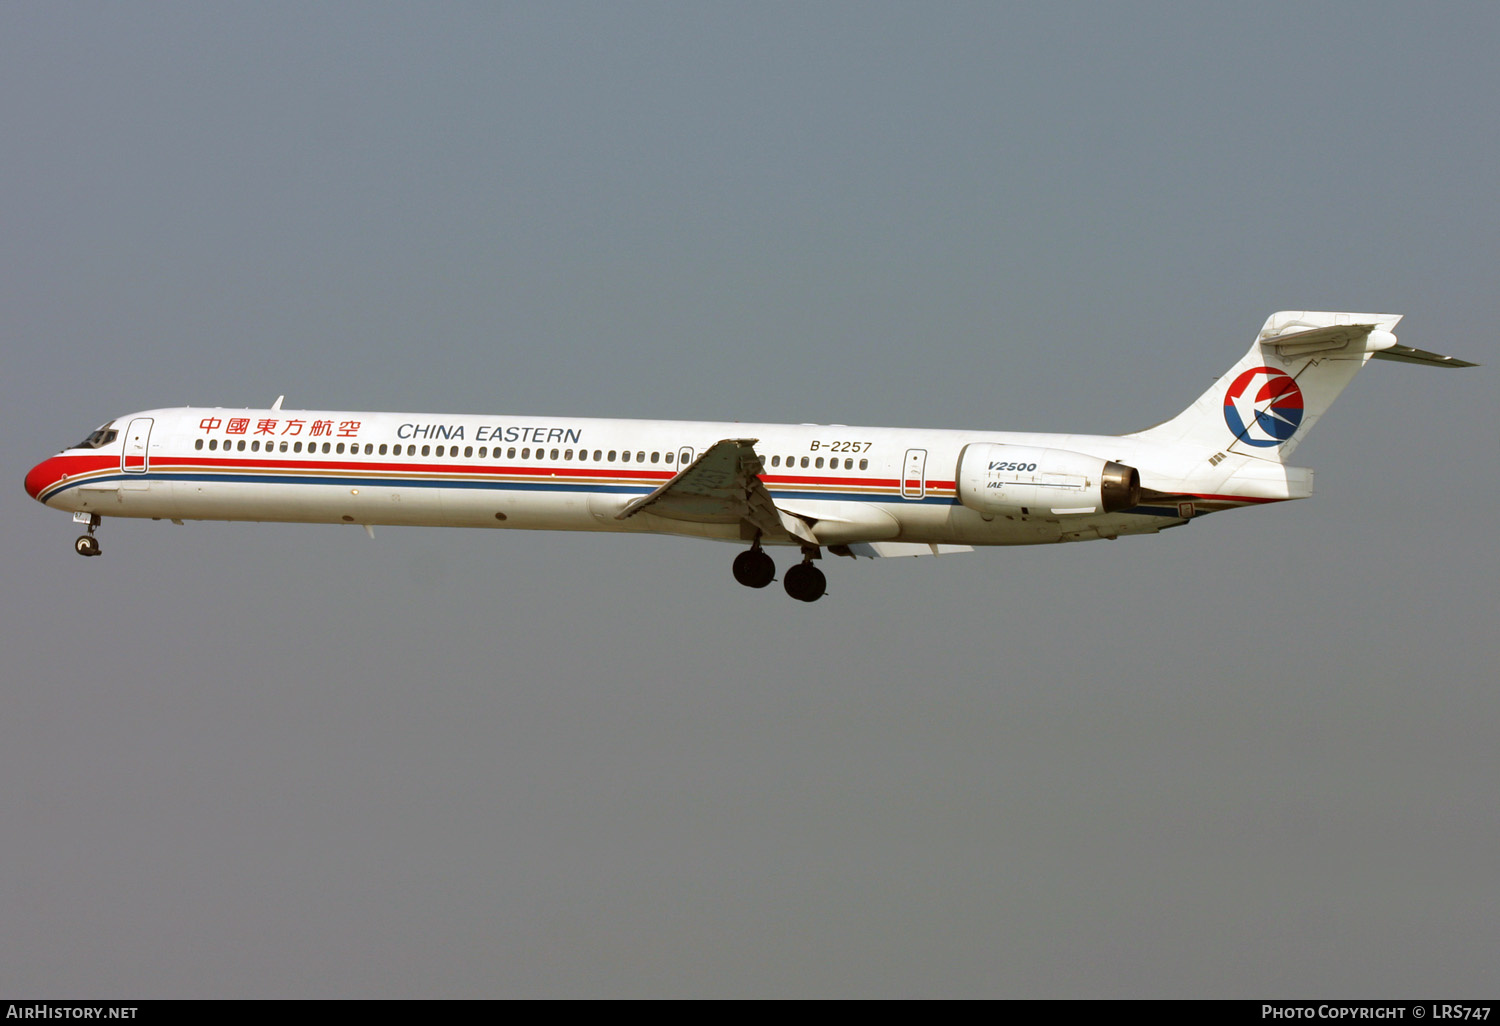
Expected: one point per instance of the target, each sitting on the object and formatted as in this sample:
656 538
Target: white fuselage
860 484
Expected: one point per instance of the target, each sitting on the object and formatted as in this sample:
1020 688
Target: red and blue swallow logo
1263 407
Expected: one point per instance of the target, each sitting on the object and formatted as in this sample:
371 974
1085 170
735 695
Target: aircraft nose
41 475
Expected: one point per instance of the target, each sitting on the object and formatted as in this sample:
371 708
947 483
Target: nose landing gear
87 544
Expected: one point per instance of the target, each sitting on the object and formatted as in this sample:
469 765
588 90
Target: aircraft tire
805 583
86 545
754 569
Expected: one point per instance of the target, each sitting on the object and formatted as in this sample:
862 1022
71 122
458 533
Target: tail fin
1268 401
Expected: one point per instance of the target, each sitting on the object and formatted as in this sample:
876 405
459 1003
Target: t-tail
1299 363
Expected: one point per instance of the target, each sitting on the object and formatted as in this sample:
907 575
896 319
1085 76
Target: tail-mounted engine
1015 480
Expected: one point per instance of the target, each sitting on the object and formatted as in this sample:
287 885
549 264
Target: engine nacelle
1019 479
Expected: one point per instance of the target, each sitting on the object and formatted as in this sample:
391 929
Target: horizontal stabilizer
1325 341
1351 339
1406 354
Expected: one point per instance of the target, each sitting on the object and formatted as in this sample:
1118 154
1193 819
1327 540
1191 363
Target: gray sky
1252 757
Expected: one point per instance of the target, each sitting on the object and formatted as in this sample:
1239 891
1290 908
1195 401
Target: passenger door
135 457
914 474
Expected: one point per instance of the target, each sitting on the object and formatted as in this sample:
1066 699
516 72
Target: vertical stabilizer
1268 401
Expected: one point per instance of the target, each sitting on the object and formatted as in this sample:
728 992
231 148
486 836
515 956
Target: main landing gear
754 568
803 582
87 544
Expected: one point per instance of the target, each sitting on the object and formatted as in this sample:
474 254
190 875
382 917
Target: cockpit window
99 438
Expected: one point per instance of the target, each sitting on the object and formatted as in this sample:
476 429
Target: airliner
813 488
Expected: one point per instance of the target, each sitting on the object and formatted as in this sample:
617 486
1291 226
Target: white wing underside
723 486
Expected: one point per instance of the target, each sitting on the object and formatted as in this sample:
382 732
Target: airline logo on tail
1263 407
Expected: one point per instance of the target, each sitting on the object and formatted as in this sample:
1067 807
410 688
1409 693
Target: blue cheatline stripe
889 498
499 486
892 497
365 482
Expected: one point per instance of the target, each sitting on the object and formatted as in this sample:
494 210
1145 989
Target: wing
723 486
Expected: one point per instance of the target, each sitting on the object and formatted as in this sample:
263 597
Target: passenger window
804 461
296 447
510 453
255 445
526 454
554 454
656 457
864 464
568 454
669 457
625 457
775 461
196 445
382 448
483 450
469 451
818 463
640 457
283 447
426 449
612 455
241 446
598 454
